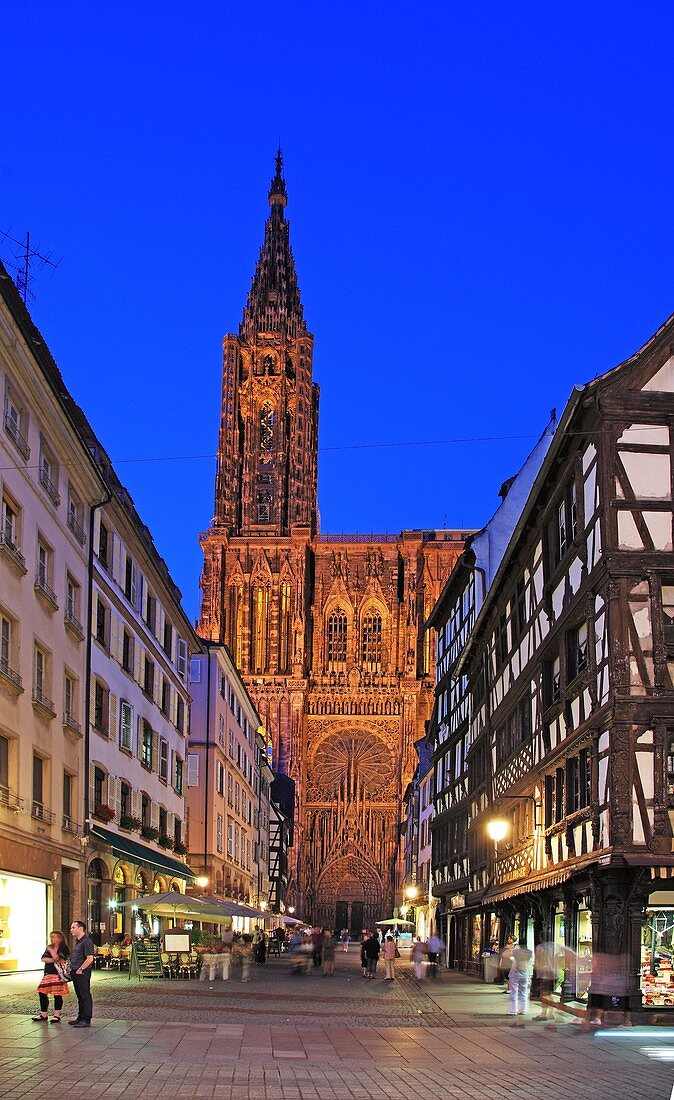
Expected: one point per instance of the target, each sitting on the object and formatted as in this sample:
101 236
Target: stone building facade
327 631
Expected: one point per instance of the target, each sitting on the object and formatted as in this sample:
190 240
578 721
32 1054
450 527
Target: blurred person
505 963
259 946
434 946
344 938
363 956
389 951
419 953
52 984
329 945
548 959
609 983
520 982
317 946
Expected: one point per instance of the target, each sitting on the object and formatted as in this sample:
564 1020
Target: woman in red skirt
52 985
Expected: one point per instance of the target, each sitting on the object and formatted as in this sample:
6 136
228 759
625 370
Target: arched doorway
348 895
96 877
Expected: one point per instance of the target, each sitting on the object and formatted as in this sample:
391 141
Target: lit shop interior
24 912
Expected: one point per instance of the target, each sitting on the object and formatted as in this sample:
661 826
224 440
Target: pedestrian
505 963
547 962
52 984
520 982
372 948
246 950
419 953
259 946
329 946
81 962
389 952
434 946
344 937
317 946
363 957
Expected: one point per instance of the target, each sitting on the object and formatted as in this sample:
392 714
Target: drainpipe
208 756
87 671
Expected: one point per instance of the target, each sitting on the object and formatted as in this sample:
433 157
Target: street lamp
291 909
497 829
411 893
201 881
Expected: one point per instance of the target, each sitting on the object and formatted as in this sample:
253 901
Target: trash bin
490 964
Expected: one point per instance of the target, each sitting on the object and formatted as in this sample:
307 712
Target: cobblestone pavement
334 1039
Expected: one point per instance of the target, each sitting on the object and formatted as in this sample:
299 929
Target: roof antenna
26 258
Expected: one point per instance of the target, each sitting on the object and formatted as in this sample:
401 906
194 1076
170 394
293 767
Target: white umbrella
395 920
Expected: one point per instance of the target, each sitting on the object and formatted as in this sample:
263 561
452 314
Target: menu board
176 941
146 960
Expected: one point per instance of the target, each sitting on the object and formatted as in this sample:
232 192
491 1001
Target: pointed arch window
236 622
259 636
337 639
371 641
266 433
284 627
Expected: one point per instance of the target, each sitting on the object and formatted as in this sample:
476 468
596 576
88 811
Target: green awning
140 853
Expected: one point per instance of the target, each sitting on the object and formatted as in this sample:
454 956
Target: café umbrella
395 921
174 904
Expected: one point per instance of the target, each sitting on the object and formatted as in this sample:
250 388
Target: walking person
52 984
505 963
389 950
520 983
419 953
329 945
344 937
371 949
434 946
317 946
81 962
548 959
363 957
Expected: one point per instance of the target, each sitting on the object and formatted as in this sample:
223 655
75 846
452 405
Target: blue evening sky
481 207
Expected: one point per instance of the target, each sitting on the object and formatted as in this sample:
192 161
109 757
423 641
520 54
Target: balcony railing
44 590
41 813
10 675
73 623
12 429
70 826
72 724
43 702
74 526
12 552
10 799
49 487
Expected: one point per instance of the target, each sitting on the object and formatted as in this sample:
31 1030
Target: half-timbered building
569 665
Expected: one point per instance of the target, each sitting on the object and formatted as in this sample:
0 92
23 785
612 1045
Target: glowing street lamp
201 881
411 893
498 828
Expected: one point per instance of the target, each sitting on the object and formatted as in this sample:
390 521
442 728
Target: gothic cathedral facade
327 631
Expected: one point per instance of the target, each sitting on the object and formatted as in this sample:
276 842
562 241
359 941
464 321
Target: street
282 1036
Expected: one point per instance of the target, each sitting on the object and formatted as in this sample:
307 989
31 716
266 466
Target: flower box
149 832
104 813
180 849
165 841
130 822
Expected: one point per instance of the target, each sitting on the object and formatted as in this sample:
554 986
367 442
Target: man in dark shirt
81 962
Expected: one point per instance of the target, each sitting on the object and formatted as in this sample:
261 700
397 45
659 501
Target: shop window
657 951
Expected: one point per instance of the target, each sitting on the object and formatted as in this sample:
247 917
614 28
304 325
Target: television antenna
26 259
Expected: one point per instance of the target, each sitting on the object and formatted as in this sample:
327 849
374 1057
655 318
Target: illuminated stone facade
326 630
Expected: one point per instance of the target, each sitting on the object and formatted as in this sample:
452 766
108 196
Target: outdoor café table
212 962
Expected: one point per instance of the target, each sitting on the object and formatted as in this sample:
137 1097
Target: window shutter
137 662
114 635
112 726
116 557
192 769
114 785
136 806
140 592
139 736
92 803
155 752
134 574
94 608
92 702
154 815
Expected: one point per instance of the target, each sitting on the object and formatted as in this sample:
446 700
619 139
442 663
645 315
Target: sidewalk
320 1040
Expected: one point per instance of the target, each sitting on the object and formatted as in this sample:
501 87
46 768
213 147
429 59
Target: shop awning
541 882
140 853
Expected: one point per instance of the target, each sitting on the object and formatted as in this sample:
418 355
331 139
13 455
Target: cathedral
327 630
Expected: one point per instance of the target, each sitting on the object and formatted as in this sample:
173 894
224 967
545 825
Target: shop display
657 974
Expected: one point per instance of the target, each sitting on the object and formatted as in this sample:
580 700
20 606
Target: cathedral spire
274 304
